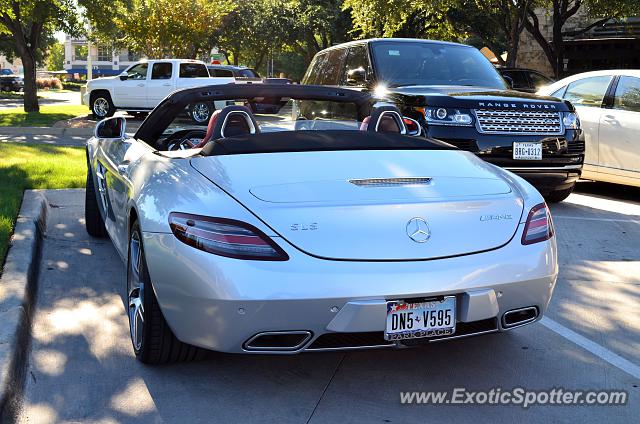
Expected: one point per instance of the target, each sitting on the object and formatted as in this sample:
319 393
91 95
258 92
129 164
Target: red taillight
225 237
539 226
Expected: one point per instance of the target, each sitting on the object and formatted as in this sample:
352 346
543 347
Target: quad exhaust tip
521 316
278 341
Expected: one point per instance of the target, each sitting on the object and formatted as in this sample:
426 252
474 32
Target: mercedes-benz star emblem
418 230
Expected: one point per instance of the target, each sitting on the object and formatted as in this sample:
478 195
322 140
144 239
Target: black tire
92 218
101 105
158 343
200 112
559 195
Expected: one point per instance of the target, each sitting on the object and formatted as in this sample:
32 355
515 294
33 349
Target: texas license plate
422 319
527 151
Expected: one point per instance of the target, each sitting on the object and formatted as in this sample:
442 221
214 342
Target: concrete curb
18 287
60 132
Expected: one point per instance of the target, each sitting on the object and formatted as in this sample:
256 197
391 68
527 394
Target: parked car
526 80
608 103
6 71
459 97
232 71
255 236
249 76
144 84
11 83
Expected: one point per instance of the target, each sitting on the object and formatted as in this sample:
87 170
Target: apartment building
105 60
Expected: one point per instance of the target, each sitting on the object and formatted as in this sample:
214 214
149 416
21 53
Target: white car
142 86
608 104
286 233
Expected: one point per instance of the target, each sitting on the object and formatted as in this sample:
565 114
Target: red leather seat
212 124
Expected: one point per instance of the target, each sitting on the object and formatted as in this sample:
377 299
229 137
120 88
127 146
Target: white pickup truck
143 85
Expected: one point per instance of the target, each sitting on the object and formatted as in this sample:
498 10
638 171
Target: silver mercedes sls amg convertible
331 224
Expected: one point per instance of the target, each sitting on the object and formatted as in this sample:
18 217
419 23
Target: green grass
35 166
48 115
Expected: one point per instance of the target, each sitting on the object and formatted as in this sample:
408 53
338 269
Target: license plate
422 319
527 151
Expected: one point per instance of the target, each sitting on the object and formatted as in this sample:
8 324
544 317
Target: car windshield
424 63
248 73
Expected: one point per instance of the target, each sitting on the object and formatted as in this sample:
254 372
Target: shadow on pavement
83 368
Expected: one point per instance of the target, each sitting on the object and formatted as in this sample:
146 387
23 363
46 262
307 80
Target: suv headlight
571 120
447 116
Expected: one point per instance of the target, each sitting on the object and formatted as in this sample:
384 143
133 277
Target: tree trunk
558 46
30 88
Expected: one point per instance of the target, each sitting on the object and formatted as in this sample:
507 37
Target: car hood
472 97
357 205
101 82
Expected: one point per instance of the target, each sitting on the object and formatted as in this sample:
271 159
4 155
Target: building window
80 52
104 54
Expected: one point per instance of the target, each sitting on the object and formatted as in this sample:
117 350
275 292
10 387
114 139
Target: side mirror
111 128
123 76
356 77
509 80
413 127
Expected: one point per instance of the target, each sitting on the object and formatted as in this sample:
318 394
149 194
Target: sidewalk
55 140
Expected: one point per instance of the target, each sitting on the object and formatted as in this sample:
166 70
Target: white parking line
601 352
583 218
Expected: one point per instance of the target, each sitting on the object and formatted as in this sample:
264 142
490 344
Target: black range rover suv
458 97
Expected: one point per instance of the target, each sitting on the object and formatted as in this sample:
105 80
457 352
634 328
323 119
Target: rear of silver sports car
354 259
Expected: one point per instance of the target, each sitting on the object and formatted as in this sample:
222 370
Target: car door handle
167 85
141 85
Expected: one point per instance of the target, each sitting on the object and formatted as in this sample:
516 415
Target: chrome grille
518 122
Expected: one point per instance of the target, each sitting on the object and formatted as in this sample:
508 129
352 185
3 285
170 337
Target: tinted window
138 72
222 73
248 73
329 67
519 78
559 92
538 80
588 91
161 70
627 95
312 72
193 70
427 63
357 59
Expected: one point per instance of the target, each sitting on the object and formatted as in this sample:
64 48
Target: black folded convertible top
312 141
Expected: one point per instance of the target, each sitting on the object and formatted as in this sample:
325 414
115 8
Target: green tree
560 11
495 23
167 28
318 24
498 22
30 24
255 30
406 18
55 57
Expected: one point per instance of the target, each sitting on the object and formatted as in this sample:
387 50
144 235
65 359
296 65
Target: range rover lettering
460 98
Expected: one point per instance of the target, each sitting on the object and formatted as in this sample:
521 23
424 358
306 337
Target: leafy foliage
55 57
171 28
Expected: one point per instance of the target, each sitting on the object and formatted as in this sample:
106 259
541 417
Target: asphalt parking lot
82 367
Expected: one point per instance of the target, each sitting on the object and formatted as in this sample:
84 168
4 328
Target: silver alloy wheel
135 291
200 112
101 106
